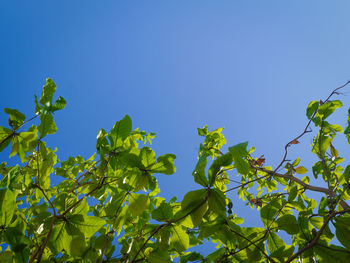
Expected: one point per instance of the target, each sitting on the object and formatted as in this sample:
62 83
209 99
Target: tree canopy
108 208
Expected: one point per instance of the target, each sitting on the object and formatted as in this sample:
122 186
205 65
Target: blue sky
173 66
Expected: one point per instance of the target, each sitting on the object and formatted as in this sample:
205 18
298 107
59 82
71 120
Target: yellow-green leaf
301 170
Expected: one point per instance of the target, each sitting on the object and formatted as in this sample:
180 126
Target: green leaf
347 128
342 230
199 172
204 131
138 203
59 104
159 256
216 255
179 238
120 131
313 105
239 152
328 108
275 244
326 142
16 118
305 227
288 223
132 160
47 93
346 173
301 170
254 254
331 253
195 205
19 244
293 191
164 165
7 206
140 181
296 162
66 235
77 246
47 125
88 225
163 238
148 157
278 248
190 257
163 213
217 204
217 165
82 208
6 256
59 237
5 137
269 211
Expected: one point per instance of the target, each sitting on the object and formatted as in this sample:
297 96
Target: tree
112 197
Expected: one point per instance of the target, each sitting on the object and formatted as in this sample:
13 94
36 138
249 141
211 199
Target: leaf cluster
107 208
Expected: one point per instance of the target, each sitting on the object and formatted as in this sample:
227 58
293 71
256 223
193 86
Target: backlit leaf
47 93
164 164
301 170
239 152
311 108
7 206
288 223
138 203
179 238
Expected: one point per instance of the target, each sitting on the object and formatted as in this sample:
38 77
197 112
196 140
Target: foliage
113 198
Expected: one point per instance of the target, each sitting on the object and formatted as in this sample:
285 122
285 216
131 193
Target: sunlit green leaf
313 105
217 204
19 244
301 170
138 203
342 230
164 164
88 225
269 211
239 152
163 213
159 256
148 157
190 257
328 108
48 91
5 137
179 238
199 172
47 125
217 166
59 104
194 203
16 118
288 223
7 206
120 131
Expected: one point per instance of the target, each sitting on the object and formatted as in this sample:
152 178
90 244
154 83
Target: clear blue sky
173 66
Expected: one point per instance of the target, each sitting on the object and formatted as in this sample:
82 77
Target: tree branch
305 185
